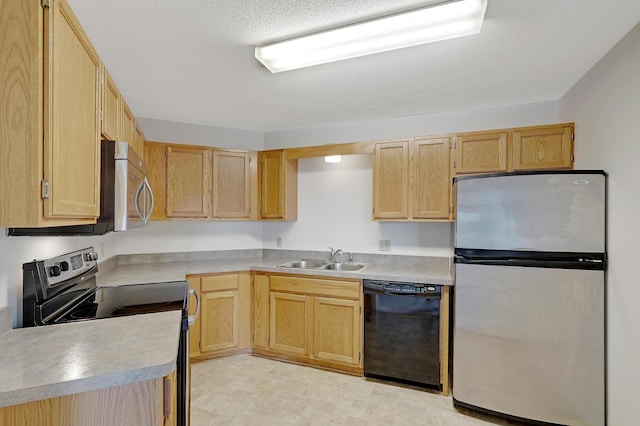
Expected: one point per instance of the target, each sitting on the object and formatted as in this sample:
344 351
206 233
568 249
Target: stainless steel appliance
63 289
402 332
530 261
126 198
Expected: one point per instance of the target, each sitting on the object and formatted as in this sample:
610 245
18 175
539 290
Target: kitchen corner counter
46 362
394 268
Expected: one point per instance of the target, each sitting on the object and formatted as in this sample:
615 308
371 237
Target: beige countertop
46 362
435 273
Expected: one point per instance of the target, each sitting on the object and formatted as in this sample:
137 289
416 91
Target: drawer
219 282
347 289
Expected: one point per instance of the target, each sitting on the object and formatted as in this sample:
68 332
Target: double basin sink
324 265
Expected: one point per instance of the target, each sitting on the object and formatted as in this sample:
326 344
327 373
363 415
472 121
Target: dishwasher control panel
401 287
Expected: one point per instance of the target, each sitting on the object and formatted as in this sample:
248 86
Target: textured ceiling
192 60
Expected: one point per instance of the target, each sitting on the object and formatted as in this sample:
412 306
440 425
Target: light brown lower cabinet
139 403
315 321
223 323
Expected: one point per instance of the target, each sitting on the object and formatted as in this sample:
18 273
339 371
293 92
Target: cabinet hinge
45 3
166 152
455 144
359 356
454 164
45 189
101 116
573 158
165 210
573 136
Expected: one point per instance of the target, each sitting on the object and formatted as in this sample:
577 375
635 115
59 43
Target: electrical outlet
278 241
384 245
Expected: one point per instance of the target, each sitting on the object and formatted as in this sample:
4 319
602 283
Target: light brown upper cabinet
411 179
111 107
202 183
138 140
188 182
231 184
480 152
391 180
50 87
543 147
128 123
430 178
278 185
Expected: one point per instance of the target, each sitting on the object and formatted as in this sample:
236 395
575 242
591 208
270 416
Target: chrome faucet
334 253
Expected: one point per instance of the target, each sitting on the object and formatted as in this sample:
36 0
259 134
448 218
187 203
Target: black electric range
63 289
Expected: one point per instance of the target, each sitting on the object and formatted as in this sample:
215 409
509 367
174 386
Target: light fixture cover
333 158
436 22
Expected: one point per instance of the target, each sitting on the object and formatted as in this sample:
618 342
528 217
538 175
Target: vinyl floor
248 390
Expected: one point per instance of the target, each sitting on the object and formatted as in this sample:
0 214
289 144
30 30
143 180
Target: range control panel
67 266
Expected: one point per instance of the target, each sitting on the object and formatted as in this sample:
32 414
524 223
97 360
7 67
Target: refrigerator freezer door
559 212
529 342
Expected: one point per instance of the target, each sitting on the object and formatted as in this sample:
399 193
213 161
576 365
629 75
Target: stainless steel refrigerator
529 319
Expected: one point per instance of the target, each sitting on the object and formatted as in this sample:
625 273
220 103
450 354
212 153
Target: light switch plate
278 241
384 245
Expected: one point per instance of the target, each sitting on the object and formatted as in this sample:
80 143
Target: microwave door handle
150 210
137 200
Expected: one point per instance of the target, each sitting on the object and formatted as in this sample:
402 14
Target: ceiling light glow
429 24
333 158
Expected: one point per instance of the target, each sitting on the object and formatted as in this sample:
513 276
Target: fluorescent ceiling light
425 25
333 158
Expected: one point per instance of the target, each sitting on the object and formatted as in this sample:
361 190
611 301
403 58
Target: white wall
162 237
196 134
427 124
605 104
334 209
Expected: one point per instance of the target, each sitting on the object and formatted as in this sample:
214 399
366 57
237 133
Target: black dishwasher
402 332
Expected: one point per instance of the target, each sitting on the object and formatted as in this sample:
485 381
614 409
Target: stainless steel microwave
126 198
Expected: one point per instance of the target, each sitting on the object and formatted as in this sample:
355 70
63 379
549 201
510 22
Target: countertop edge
145 369
56 390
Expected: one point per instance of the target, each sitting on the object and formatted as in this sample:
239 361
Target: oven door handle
192 318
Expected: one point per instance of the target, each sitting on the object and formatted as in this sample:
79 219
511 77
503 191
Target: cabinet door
231 184
391 180
72 130
547 147
111 106
336 330
219 328
194 330
261 311
430 180
156 159
188 182
480 153
289 323
127 132
138 140
272 185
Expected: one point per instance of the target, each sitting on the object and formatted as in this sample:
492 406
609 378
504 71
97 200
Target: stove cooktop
109 302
